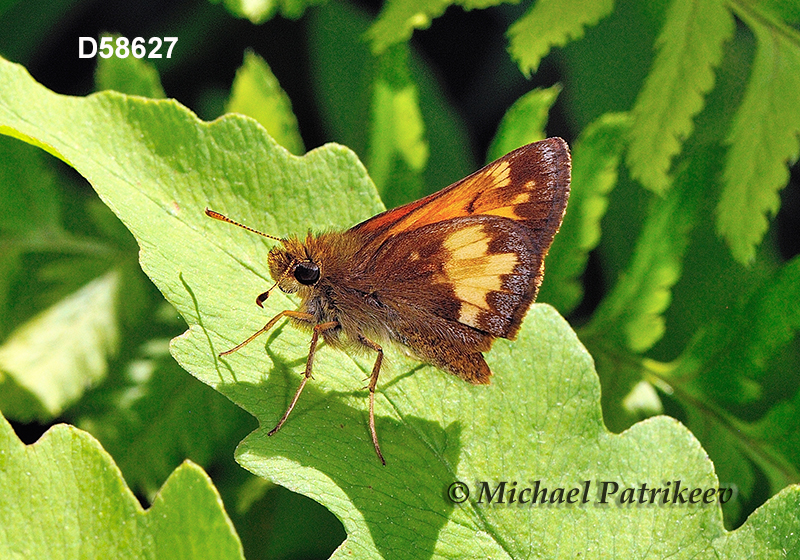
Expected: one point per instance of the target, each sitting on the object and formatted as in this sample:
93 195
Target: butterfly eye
306 273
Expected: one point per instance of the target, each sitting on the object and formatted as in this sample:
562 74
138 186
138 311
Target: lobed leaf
689 48
764 137
63 497
552 23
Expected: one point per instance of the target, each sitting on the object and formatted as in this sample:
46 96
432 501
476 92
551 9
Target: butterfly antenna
222 218
263 297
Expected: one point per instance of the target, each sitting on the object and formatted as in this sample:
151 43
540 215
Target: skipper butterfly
443 276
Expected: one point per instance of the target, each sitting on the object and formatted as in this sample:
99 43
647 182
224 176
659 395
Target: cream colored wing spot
466 243
473 273
469 315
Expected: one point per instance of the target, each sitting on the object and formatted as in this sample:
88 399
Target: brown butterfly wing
453 271
473 253
529 185
481 272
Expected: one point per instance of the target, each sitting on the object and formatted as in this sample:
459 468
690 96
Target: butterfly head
292 268
291 265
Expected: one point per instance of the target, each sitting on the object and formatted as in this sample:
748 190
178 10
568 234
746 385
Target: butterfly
443 276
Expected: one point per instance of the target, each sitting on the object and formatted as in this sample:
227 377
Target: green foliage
632 314
689 49
65 347
763 136
63 497
397 146
524 122
261 11
257 94
128 75
665 263
411 121
552 23
596 156
400 18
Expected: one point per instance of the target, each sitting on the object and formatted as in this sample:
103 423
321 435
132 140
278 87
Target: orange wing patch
529 185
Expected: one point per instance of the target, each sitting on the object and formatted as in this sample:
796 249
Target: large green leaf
63 497
158 166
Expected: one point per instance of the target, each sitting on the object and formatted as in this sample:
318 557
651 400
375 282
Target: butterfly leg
309 362
285 313
373 382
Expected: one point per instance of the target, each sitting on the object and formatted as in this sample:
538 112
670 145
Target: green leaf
552 23
128 75
771 320
28 193
720 368
399 18
259 11
763 137
768 532
777 443
63 497
524 122
55 355
257 94
539 420
689 48
631 316
726 441
787 10
157 416
398 152
344 81
596 156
